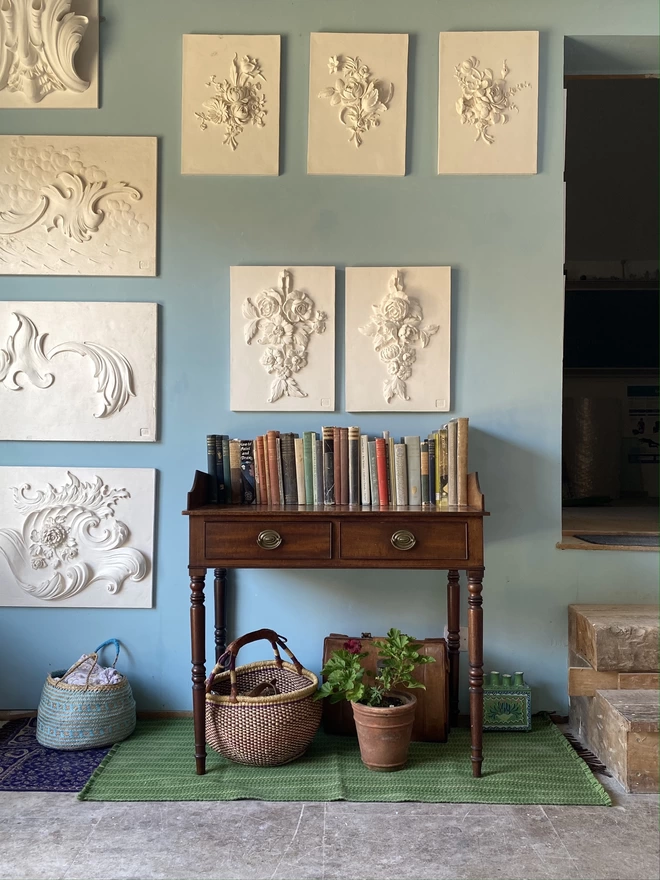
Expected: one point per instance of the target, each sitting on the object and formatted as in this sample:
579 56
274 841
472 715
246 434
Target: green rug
539 767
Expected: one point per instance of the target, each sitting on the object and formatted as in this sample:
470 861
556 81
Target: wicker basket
73 716
261 730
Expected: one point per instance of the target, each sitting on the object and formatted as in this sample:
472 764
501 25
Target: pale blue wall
503 238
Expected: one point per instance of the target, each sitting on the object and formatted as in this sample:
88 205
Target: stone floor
55 836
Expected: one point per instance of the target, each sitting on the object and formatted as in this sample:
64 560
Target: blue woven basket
88 716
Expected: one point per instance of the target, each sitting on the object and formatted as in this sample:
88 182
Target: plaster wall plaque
77 205
49 52
357 104
78 371
282 338
398 339
230 104
488 102
76 537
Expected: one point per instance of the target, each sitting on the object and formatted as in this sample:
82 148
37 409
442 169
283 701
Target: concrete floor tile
31 851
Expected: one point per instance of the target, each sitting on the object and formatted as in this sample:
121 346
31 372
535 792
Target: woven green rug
156 764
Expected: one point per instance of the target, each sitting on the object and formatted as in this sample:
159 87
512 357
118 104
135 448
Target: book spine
318 472
288 451
211 467
444 464
280 474
273 457
414 471
391 473
390 485
452 462
431 445
328 466
381 470
235 468
309 438
248 494
220 470
401 474
299 449
365 485
336 452
263 470
353 465
257 474
226 466
462 428
373 474
343 451
424 470
438 466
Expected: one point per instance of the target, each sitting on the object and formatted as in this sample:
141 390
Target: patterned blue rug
27 766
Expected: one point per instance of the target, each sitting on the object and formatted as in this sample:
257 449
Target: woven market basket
74 716
261 730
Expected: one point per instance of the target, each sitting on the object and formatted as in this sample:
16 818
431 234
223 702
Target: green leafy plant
399 657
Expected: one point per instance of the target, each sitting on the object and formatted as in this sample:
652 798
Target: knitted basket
261 730
73 716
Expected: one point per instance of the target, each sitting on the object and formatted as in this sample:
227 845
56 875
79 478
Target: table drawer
419 540
268 540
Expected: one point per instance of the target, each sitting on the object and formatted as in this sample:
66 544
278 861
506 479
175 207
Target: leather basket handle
228 659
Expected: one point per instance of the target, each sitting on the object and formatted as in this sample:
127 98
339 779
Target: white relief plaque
76 537
282 338
77 205
49 53
230 104
398 335
357 104
488 102
78 371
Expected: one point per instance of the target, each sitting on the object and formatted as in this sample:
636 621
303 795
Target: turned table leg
197 637
220 604
453 641
476 659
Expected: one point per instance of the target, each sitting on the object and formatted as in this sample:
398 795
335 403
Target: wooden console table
224 536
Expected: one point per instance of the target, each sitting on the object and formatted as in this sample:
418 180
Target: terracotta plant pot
384 733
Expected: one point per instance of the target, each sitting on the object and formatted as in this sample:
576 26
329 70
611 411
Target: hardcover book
287 448
336 460
317 463
431 445
373 474
211 466
272 452
353 465
235 467
343 469
443 440
365 484
414 471
424 470
328 466
226 466
381 470
461 460
452 462
299 450
220 468
401 474
248 493
309 439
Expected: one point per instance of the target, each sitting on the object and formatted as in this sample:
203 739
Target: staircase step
617 638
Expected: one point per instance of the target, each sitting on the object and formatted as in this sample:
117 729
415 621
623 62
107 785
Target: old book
309 438
452 463
353 465
365 486
461 460
226 468
289 468
220 468
211 467
373 474
414 471
235 469
328 465
317 461
263 470
343 470
280 474
257 475
386 438
431 445
400 474
273 456
424 470
381 470
336 461
248 493
443 448
391 475
299 450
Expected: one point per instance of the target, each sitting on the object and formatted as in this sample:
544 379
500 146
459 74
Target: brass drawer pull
269 539
403 540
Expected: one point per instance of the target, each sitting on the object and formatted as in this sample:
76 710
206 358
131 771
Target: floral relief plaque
398 339
282 338
230 104
357 104
488 102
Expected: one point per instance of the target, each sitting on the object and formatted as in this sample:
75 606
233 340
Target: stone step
621 727
617 638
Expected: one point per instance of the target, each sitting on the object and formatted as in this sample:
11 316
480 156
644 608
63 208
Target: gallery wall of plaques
86 205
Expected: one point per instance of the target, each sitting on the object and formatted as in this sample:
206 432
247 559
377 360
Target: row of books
341 466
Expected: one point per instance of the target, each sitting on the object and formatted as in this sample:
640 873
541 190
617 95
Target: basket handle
114 642
76 665
229 657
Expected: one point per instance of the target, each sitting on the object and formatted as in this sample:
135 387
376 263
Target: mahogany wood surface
223 537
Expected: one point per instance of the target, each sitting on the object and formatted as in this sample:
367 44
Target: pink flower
353 646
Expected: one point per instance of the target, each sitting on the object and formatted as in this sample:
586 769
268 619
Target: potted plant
383 713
